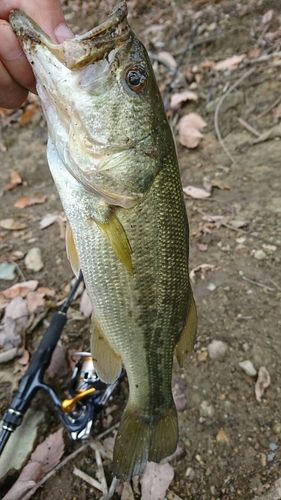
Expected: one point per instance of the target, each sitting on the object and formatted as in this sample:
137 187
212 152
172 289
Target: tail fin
140 439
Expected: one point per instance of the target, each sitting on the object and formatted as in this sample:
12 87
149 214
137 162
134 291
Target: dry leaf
47 291
49 452
197 193
46 456
189 126
202 356
253 53
48 220
31 199
34 300
262 383
127 492
189 136
204 268
222 437
180 97
17 255
27 114
12 224
85 304
13 323
58 366
267 17
156 480
15 180
219 184
167 57
273 35
229 63
20 289
203 247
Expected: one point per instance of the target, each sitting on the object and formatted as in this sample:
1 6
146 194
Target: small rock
256 485
270 457
33 260
241 240
273 446
217 349
212 27
206 409
277 428
259 254
211 287
248 367
7 271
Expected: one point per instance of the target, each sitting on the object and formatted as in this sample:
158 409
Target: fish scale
112 156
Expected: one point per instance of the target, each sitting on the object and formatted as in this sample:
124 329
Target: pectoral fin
115 234
188 335
71 250
107 362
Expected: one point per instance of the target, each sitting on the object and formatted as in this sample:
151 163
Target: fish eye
136 79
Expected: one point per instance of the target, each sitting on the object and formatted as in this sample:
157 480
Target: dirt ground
231 442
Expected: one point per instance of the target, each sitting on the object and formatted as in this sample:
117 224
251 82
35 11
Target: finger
14 60
46 13
12 95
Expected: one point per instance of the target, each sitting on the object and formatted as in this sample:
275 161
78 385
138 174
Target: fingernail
63 32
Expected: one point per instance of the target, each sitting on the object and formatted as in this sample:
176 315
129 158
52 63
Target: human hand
16 75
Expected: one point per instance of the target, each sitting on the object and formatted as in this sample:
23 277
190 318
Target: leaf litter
189 130
45 457
29 200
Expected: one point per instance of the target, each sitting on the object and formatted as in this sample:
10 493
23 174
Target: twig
101 472
275 284
54 470
108 431
111 490
93 482
263 58
233 228
217 129
248 127
20 272
267 110
258 284
96 445
63 462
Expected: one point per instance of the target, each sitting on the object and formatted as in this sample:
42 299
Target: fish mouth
82 50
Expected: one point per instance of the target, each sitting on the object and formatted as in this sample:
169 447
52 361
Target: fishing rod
87 394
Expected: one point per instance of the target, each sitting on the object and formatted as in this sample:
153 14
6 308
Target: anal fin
115 234
188 335
71 250
107 363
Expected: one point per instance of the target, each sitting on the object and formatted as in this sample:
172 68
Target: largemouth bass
113 159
